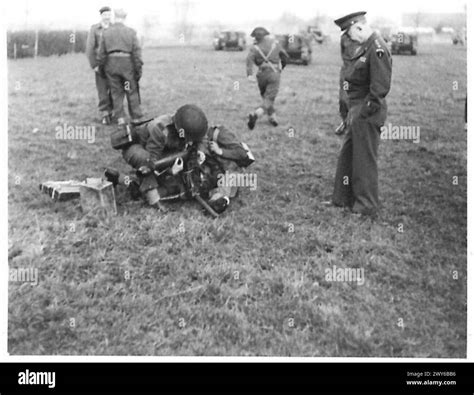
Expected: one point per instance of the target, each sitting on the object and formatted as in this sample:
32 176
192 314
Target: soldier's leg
342 194
136 156
262 86
366 137
269 98
116 89
131 89
103 91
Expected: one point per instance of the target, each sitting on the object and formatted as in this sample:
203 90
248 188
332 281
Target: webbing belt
265 57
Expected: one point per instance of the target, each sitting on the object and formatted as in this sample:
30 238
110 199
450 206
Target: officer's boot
106 118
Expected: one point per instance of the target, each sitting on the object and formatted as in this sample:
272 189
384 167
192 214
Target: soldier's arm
156 141
250 61
102 52
380 78
233 149
90 47
137 54
284 57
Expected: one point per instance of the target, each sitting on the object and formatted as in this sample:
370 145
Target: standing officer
348 50
367 81
270 58
92 47
120 53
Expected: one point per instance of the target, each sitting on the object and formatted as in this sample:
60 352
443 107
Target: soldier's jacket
120 38
349 48
160 138
368 76
93 41
274 52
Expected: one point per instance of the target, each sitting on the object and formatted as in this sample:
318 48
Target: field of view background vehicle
230 40
404 42
297 46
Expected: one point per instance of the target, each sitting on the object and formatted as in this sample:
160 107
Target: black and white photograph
204 178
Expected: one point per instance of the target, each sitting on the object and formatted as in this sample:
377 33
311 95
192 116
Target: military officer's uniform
348 50
368 79
120 53
101 83
270 58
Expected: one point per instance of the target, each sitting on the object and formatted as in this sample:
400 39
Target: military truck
404 42
230 40
297 46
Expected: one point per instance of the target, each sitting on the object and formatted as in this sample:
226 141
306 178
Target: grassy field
253 281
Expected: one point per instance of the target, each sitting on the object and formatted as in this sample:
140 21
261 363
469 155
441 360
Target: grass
253 281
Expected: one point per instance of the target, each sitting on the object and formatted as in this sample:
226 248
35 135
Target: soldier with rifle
180 156
120 55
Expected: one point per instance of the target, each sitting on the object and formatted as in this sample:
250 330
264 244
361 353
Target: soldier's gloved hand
214 147
177 166
252 78
201 157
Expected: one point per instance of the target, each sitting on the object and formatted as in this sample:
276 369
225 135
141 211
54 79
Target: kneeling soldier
163 139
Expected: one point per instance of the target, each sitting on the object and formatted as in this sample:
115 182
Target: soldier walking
270 58
101 83
367 80
120 54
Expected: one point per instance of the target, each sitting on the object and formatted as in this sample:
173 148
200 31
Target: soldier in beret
367 80
270 58
219 153
92 48
121 56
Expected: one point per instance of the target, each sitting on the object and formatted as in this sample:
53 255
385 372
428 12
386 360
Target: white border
4 357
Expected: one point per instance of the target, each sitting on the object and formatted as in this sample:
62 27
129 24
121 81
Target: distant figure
271 59
367 80
121 55
92 49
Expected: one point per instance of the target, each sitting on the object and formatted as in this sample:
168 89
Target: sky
68 14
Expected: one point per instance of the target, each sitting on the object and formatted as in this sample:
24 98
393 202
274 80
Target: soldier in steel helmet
218 151
270 58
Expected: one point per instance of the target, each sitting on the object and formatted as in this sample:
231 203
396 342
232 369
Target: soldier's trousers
356 181
269 84
121 77
103 91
